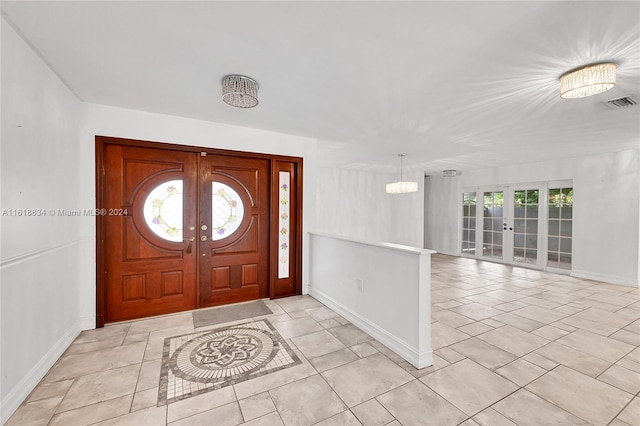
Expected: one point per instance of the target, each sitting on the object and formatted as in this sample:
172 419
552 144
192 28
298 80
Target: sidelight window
284 202
469 223
560 228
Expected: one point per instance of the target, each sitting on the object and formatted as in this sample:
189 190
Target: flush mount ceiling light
588 81
402 187
240 91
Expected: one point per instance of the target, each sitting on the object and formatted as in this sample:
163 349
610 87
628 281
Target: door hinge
203 154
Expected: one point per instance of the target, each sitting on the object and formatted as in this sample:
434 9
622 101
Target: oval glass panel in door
227 211
163 210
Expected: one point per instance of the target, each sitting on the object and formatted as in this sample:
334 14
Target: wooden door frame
101 141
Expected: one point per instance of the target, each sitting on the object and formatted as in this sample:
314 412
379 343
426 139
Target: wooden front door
150 261
185 228
234 229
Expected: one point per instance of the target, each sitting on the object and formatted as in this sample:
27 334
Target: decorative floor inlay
196 363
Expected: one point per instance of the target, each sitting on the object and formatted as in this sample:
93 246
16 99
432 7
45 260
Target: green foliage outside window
561 197
557 197
526 197
494 198
469 198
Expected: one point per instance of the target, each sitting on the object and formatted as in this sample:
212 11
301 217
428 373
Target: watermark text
62 212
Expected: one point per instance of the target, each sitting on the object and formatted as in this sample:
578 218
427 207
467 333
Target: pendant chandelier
240 91
402 187
588 81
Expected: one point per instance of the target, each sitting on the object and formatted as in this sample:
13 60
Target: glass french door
493 224
508 224
523 226
560 229
527 225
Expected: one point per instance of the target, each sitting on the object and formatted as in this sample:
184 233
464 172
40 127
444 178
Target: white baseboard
397 345
21 391
87 323
448 252
611 279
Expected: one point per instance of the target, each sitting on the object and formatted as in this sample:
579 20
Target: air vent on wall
624 102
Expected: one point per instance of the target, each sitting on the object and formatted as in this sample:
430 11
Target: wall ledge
398 247
32 255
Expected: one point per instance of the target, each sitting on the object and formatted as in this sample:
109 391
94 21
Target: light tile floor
511 346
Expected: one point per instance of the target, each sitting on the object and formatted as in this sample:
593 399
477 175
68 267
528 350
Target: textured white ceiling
455 85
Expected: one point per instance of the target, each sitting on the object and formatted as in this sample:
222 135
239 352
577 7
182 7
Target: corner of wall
21 391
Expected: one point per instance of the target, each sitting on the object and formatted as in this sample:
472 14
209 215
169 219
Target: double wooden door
185 229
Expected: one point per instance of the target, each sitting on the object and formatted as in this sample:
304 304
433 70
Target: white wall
39 255
394 302
441 207
605 214
354 204
119 122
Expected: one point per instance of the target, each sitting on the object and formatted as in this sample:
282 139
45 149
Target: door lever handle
190 246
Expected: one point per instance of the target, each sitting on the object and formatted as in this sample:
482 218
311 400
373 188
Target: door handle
190 246
203 238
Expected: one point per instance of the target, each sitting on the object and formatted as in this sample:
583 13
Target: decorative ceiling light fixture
588 81
240 91
402 187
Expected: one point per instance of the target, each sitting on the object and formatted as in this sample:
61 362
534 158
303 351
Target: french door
526 224
184 229
510 225
507 221
523 219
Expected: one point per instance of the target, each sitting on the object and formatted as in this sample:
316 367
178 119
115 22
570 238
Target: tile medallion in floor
196 363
